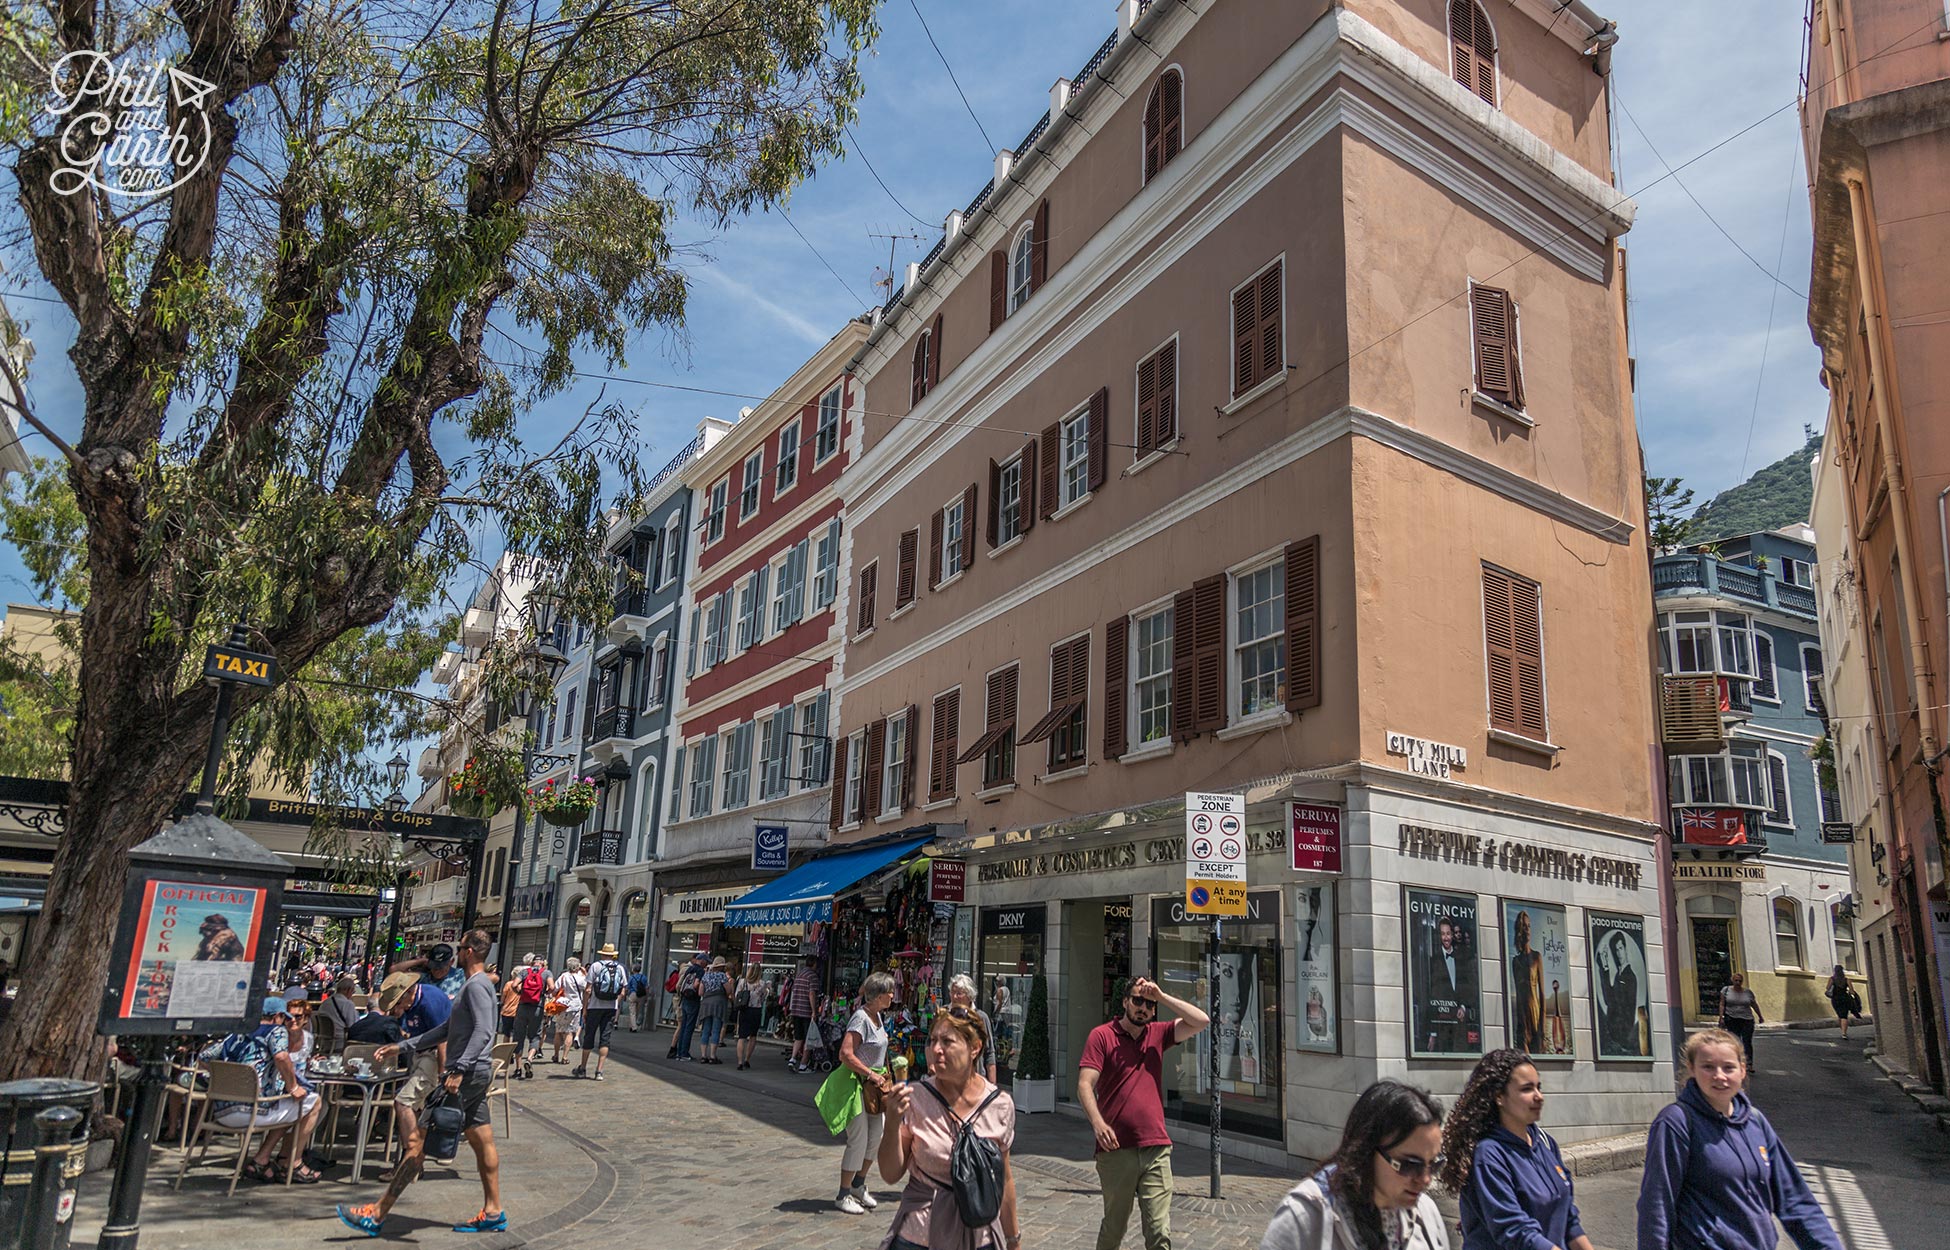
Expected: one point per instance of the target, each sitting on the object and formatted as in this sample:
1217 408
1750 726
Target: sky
1727 374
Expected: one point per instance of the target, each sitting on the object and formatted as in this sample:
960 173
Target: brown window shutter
1059 675
1209 651
1485 49
1184 673
1153 132
838 814
1147 406
1272 352
1516 340
869 576
904 573
1171 117
1489 323
934 354
934 549
1529 651
1165 427
1011 683
998 709
919 386
1039 248
1499 636
998 290
995 503
968 522
1245 323
1462 51
1303 624
1029 483
944 745
907 760
1080 684
1099 438
1052 462
870 768
1117 636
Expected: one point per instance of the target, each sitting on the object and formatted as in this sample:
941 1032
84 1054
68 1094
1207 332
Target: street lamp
544 660
396 769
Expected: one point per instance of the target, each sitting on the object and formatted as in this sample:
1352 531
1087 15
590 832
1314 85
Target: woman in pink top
928 1218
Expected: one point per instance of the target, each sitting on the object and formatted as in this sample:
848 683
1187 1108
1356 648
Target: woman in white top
864 1051
573 987
1373 1193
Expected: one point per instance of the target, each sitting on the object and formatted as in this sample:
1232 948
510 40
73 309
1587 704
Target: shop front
1247 1028
1010 956
694 922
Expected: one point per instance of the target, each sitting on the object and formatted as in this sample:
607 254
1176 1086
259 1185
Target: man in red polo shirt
1120 1082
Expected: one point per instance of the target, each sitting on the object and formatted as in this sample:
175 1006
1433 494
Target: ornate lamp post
546 660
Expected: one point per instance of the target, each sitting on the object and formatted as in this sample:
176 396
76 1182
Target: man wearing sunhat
420 1007
608 982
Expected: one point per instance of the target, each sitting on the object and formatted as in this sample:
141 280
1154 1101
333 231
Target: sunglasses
1152 1003
1411 1168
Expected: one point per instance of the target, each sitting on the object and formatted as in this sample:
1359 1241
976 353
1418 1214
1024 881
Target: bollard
48 1195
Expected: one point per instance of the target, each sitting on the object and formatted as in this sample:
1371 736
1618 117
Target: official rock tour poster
1621 1007
1537 977
194 949
1445 998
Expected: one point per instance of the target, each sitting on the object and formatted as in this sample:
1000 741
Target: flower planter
472 808
1034 1097
566 817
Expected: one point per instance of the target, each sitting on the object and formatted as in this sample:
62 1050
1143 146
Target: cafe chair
185 1086
234 1082
498 1086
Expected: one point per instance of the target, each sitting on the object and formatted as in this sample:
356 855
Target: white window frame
1003 536
717 499
954 523
778 611
831 404
1235 646
1810 684
852 807
1840 809
654 697
1836 922
812 749
1774 906
1805 578
893 764
1785 796
750 614
1496 55
1750 764
1134 697
775 754
923 351
732 767
672 568
1232 339
826 580
1669 630
707 635
1768 675
1724 632
1176 430
785 473
703 764
1073 458
1022 266
751 481
648 801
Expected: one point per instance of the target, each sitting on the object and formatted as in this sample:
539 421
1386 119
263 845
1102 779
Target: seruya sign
117 134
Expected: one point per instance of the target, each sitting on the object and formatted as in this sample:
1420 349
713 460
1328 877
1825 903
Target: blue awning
807 892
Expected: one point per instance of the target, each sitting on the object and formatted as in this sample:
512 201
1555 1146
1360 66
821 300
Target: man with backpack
607 985
532 992
639 997
690 994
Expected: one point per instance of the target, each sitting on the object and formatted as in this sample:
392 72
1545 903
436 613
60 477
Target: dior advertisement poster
1445 998
1620 986
1318 1027
1537 972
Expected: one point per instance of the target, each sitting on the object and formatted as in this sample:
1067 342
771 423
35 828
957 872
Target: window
1687 640
1472 49
950 545
1009 502
826 436
1812 670
748 492
1495 339
1780 806
1067 721
1828 802
714 514
1073 463
1164 122
708 635
659 673
1259 640
944 745
773 752
1513 624
1151 676
1748 764
856 755
815 750
737 768
927 361
1843 926
1021 258
1258 352
869 581
1797 572
826 582
1736 779
1736 643
548 738
569 717
1787 934
996 748
1157 400
789 600
1766 685
676 809
751 610
786 475
909 553
673 551
704 756
893 771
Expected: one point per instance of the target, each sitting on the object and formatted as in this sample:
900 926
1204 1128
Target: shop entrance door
1712 962
1097 934
1011 955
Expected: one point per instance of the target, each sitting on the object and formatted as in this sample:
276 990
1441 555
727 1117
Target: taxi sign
1215 854
228 663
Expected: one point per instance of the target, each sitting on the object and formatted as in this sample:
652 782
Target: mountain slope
1777 495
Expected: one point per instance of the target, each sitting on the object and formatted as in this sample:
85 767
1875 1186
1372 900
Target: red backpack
534 984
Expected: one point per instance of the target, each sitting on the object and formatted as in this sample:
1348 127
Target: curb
1932 1103
1605 1154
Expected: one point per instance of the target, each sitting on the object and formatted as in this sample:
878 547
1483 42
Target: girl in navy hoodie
1507 1172
1716 1174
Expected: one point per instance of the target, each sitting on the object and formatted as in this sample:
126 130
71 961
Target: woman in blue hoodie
1716 1173
1507 1172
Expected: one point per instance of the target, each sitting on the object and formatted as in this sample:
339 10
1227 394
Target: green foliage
1667 501
1033 1064
1777 495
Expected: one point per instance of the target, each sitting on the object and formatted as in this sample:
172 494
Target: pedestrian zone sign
1215 854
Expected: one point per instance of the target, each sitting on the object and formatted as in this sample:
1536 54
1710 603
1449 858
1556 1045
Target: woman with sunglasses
1373 1193
930 1114
1514 1187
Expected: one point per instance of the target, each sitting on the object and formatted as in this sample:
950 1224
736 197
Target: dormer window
1164 122
1472 49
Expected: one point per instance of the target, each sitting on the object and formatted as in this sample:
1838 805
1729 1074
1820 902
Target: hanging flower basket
483 786
566 805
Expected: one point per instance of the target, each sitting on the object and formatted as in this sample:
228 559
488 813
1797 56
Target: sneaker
845 1202
577 1072
364 1219
597 1077
484 1223
865 1199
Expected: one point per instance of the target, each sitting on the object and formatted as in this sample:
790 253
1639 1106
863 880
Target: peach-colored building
1265 428
1876 124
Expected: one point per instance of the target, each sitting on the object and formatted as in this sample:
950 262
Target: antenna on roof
883 279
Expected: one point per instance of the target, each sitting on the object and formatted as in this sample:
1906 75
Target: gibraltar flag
1713 826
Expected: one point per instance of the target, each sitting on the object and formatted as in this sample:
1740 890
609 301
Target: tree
1667 501
290 414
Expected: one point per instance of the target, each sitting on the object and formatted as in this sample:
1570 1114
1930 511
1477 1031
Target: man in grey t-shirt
469 1034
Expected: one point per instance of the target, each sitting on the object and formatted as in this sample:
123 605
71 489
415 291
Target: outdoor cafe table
370 1090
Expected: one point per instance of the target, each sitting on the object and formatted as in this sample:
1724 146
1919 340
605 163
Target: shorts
419 1086
800 1026
473 1100
748 1021
507 1028
272 1115
597 1024
569 1023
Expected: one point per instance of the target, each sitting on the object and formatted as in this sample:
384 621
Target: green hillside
1775 496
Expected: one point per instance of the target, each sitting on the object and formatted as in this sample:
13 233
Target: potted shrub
1034 1088
567 805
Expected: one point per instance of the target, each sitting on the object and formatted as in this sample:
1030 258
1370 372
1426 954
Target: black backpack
974 1166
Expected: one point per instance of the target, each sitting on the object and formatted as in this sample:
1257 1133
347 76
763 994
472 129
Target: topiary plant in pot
1034 1087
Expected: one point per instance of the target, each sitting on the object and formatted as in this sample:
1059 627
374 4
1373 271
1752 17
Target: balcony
446 668
1689 714
448 891
430 768
601 846
1693 573
1711 827
609 732
477 627
629 616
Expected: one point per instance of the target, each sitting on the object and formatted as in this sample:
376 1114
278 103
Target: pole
392 924
1216 1029
476 862
132 1162
514 868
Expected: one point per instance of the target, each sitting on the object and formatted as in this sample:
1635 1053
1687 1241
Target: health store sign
1215 854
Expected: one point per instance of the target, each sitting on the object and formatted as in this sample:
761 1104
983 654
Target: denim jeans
713 1028
686 1025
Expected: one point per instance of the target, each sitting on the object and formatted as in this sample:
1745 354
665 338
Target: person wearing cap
421 1008
267 1049
690 991
607 984
437 967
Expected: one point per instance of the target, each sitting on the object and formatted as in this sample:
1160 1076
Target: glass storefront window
684 938
1247 1029
1011 956
636 930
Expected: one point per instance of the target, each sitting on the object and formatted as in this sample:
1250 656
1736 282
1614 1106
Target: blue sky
1690 74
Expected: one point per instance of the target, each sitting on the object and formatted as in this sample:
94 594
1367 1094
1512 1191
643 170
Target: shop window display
1247 1027
1011 954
